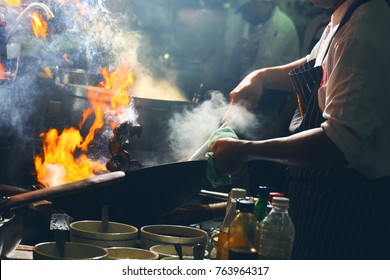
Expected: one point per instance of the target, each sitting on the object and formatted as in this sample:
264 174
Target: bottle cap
281 201
263 191
274 194
237 193
245 205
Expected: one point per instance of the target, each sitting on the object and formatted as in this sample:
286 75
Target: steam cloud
189 130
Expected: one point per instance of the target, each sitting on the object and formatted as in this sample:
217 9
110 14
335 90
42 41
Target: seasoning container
222 249
261 204
243 232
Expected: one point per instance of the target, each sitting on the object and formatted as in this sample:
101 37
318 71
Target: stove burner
121 146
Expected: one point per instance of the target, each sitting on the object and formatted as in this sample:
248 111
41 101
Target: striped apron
337 212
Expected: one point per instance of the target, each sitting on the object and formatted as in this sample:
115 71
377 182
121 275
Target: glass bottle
243 232
277 232
234 194
262 202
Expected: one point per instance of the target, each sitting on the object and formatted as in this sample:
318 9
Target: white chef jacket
355 92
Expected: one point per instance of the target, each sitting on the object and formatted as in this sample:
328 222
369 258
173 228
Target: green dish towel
216 179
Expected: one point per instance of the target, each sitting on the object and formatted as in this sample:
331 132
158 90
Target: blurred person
337 158
264 36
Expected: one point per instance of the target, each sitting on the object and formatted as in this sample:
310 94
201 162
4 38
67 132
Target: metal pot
76 77
153 116
13 226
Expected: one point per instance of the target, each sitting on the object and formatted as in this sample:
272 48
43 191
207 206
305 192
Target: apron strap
345 19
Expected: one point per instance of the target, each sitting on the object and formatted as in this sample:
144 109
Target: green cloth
216 179
223 132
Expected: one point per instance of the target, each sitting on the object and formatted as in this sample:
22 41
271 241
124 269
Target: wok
12 231
143 197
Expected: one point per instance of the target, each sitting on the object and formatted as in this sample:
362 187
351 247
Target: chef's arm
308 148
277 77
250 90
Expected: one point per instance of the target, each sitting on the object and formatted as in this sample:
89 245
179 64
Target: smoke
82 35
190 129
87 35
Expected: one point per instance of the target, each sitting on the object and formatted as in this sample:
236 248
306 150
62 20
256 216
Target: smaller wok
12 231
143 197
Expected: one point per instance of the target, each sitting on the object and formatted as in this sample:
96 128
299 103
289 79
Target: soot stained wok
143 196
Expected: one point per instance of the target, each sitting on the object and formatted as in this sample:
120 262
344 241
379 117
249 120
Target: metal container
73 251
13 223
91 232
152 235
120 253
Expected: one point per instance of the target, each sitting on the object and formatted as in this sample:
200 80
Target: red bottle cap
274 194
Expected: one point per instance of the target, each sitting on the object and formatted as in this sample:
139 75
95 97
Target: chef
338 155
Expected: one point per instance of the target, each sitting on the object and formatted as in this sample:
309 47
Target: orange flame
46 74
39 25
119 80
13 3
58 164
65 56
2 72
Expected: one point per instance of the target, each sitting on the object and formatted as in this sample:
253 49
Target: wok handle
57 191
219 195
202 150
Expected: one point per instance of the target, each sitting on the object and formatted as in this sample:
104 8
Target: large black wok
143 196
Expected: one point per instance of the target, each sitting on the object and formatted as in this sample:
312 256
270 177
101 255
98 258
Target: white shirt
278 41
355 96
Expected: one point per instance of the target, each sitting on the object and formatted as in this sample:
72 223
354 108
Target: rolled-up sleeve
357 106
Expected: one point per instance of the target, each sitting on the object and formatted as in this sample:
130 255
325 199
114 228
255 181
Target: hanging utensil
59 225
179 250
198 252
105 219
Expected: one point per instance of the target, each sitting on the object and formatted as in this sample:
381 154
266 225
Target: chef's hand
247 93
228 155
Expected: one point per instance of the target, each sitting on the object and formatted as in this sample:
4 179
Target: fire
120 80
46 74
65 56
2 72
39 25
59 163
13 3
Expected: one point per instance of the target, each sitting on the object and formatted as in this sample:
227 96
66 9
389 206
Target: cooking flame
2 72
120 80
65 56
39 25
46 74
58 165
64 158
13 3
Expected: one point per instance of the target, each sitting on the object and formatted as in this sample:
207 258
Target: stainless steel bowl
170 234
